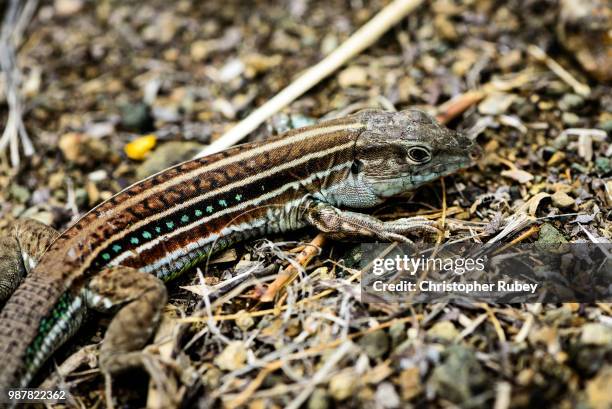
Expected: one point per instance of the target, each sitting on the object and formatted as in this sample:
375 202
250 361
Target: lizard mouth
443 169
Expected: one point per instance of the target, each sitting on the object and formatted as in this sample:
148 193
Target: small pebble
19 193
603 165
386 396
136 117
550 235
353 76
596 334
199 50
562 199
571 101
375 344
444 330
570 118
67 7
98 175
342 385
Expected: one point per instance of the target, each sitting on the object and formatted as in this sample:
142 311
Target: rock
598 389
19 193
342 385
444 330
571 101
459 377
410 383
232 357
445 27
570 118
496 103
561 200
199 50
550 235
603 165
82 150
67 7
386 396
163 29
166 155
606 125
98 175
231 70
136 117
596 334
319 399
353 76
258 63
561 141
375 344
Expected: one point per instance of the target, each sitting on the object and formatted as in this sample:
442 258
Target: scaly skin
120 253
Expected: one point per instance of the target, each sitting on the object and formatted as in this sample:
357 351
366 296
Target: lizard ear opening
356 167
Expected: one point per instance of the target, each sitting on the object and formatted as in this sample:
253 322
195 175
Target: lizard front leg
20 251
140 298
343 224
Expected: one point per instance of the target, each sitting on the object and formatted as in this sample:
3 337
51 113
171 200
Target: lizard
118 256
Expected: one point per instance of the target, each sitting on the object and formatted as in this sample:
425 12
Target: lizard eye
419 154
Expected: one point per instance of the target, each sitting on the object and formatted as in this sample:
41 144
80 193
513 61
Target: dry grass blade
17 15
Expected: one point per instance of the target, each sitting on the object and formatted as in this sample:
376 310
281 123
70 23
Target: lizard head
400 151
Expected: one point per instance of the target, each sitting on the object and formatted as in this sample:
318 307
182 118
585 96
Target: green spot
223 203
116 248
146 235
158 229
238 197
134 240
170 225
198 213
209 209
184 218
106 256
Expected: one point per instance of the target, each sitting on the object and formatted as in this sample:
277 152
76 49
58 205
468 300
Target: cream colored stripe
245 182
300 136
214 236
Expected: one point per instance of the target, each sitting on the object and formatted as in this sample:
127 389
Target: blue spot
116 248
170 225
134 240
238 197
223 203
209 209
198 213
158 229
185 218
106 256
146 235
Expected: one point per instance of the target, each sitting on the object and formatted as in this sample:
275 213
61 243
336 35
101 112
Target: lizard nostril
475 153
